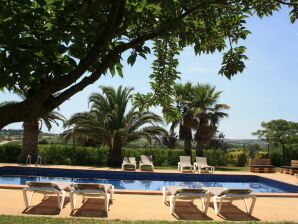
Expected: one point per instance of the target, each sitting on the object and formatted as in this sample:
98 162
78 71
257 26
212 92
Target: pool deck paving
150 207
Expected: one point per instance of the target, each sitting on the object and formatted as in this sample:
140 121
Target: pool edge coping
150 192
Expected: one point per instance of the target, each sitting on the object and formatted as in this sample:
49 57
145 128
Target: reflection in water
148 184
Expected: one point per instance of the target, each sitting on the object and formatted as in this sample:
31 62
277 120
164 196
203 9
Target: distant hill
11 131
242 142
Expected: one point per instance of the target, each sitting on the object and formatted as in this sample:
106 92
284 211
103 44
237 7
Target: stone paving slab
149 207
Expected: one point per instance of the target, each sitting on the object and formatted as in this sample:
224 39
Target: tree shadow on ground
48 206
231 212
91 207
185 210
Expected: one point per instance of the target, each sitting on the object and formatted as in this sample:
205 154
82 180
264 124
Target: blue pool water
146 184
143 180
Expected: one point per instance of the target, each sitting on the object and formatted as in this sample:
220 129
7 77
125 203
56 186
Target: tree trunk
115 156
30 141
283 154
199 149
187 146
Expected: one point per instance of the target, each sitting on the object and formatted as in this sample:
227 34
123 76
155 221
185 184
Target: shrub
90 156
261 155
237 158
216 157
241 159
9 152
70 155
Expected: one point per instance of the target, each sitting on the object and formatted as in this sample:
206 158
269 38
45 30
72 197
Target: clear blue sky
266 90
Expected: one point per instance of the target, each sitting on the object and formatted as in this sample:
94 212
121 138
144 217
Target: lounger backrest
88 186
201 160
260 162
132 160
185 160
236 191
294 163
43 185
146 159
191 190
125 160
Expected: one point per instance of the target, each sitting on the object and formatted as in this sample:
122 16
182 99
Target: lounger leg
206 203
30 199
214 198
74 200
83 196
58 201
220 205
72 204
254 198
203 203
107 199
172 204
245 202
25 198
112 193
62 199
164 195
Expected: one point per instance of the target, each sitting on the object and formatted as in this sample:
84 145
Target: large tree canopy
56 48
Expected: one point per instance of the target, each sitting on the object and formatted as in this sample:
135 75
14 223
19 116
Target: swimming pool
143 180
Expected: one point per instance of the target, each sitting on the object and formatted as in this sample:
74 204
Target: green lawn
49 220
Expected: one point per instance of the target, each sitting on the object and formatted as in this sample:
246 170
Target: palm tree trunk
187 146
115 156
30 140
199 149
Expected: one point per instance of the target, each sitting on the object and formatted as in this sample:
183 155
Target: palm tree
31 129
183 98
110 122
207 114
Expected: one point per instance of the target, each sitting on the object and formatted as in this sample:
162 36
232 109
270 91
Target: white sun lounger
219 195
186 194
146 162
201 163
45 188
129 163
91 190
185 162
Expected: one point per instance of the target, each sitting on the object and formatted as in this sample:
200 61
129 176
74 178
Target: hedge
70 155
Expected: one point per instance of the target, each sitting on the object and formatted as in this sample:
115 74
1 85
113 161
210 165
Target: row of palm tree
110 121
200 114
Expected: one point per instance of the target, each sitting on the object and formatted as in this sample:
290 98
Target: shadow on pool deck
47 206
91 207
231 212
185 210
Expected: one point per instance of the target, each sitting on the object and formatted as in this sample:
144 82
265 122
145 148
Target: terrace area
148 205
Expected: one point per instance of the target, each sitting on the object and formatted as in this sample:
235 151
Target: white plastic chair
146 161
232 195
201 163
185 162
91 190
186 194
45 188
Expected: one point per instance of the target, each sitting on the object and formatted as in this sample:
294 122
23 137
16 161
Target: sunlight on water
146 184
